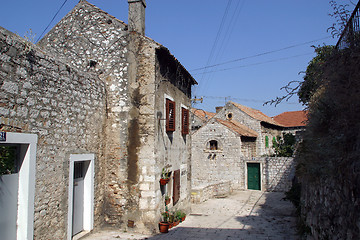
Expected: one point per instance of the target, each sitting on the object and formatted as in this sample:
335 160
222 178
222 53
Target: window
213 144
229 116
184 121
266 141
170 115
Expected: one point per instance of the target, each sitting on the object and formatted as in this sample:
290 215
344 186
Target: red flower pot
164 227
164 181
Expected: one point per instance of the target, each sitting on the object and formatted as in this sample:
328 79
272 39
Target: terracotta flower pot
164 181
164 227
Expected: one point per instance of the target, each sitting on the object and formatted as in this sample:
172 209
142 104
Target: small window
184 121
170 115
213 145
229 116
266 141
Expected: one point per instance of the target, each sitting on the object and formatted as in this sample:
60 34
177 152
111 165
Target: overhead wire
259 54
213 49
51 21
254 64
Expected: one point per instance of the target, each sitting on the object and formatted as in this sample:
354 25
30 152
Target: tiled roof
292 119
203 115
258 115
238 127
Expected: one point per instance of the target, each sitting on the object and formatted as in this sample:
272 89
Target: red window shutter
170 115
184 121
176 186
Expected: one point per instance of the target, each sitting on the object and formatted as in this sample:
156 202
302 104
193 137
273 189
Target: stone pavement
242 215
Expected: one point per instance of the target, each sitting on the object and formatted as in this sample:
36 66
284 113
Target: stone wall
66 109
224 164
94 41
277 173
331 208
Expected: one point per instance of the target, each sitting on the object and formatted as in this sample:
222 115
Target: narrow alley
242 215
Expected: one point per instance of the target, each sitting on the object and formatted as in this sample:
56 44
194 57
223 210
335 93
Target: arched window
213 145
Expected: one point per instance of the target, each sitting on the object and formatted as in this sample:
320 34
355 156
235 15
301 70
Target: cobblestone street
243 215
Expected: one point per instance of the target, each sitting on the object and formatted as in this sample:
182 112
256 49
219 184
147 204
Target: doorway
17 185
253 173
81 194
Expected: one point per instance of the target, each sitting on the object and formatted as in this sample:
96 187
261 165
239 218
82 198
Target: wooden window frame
170 115
184 121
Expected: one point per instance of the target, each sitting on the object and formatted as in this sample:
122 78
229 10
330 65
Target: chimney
218 109
137 16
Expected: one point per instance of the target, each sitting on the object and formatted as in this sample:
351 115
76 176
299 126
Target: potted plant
171 220
167 200
180 215
165 176
164 224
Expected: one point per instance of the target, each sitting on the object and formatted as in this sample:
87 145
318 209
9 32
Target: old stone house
96 110
228 154
265 126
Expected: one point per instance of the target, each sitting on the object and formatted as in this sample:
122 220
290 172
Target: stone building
266 128
97 110
294 122
228 154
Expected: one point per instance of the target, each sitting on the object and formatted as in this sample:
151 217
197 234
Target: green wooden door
253 170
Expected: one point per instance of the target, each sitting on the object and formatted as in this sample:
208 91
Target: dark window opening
213 144
92 63
229 116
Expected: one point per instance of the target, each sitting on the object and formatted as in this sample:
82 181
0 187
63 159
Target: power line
51 20
260 54
254 64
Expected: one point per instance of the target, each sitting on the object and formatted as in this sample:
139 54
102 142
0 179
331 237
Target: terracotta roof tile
203 115
258 115
238 128
292 119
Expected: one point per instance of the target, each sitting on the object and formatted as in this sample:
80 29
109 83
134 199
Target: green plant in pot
165 176
164 224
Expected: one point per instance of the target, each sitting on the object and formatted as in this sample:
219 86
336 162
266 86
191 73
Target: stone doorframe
26 193
88 192
254 160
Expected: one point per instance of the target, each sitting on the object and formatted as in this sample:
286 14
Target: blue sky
267 43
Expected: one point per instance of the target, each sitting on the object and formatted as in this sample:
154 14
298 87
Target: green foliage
165 174
313 78
332 137
165 215
7 159
284 146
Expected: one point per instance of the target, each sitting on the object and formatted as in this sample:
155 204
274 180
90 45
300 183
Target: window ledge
213 151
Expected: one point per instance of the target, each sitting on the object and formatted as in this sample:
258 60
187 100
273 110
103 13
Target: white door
9 185
78 198
9 189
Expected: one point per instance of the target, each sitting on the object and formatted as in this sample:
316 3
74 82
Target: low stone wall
202 193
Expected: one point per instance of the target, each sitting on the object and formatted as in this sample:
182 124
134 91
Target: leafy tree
313 78
284 146
7 157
